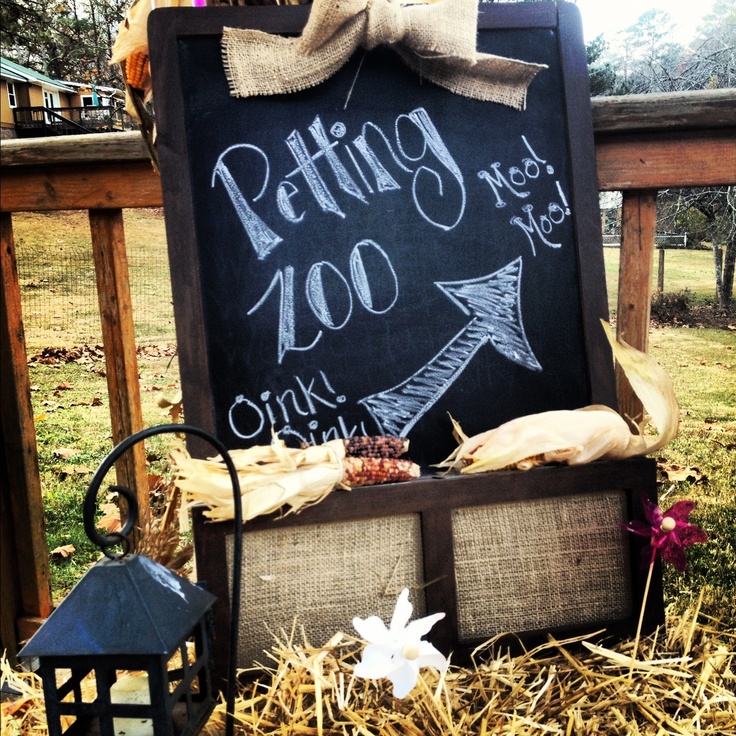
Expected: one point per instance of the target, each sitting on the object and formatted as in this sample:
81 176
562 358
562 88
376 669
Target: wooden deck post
638 224
24 566
118 336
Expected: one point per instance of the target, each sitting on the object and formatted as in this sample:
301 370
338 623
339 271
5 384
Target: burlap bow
436 39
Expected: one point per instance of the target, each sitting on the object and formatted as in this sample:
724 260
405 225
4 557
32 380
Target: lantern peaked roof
127 606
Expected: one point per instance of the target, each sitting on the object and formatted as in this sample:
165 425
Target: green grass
683 269
702 365
72 415
57 277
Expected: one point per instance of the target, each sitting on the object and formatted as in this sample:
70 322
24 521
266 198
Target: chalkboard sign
375 254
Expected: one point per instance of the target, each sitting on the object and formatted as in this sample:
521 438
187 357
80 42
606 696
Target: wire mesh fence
661 240
58 285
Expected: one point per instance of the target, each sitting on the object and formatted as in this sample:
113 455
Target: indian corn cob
369 471
375 446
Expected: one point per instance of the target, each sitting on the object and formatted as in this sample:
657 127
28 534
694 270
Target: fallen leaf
65 452
682 473
61 553
174 405
110 520
78 470
17 707
64 387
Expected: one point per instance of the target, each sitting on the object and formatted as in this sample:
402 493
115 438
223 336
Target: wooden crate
521 552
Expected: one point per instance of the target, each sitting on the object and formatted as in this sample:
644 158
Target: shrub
672 307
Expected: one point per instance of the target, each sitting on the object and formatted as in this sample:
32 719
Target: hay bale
684 682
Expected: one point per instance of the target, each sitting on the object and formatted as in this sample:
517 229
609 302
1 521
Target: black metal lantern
143 630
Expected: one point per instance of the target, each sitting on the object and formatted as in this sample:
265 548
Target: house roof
17 73
101 89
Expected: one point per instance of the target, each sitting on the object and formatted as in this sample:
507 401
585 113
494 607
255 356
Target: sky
610 16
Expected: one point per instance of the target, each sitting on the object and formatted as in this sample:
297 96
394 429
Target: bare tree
706 215
65 39
644 60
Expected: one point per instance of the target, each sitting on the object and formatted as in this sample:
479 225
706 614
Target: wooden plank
23 493
638 225
439 571
10 603
650 160
702 109
87 186
118 336
660 160
436 499
95 147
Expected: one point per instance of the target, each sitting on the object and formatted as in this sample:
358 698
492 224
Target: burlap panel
321 576
540 564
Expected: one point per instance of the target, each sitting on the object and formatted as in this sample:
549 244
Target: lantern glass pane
74 686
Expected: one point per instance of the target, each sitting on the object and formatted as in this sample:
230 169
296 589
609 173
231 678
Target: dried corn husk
576 436
271 477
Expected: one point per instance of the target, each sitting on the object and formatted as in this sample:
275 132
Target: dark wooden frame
168 25
434 499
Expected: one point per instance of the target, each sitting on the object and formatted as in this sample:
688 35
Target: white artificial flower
398 652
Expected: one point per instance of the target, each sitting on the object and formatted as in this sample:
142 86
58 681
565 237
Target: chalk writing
537 228
327 301
330 171
293 413
493 304
417 149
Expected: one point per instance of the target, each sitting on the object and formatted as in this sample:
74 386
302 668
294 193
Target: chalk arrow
493 302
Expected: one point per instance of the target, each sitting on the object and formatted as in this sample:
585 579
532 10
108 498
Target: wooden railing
643 143
37 122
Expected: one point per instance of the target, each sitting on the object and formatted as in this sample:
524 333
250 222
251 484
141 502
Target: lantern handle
90 506
112 538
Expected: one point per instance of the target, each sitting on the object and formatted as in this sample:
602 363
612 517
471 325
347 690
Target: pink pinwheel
669 532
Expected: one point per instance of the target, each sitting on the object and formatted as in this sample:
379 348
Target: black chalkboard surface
375 254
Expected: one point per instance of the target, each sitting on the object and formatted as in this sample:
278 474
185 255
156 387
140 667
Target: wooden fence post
660 271
118 336
638 224
24 567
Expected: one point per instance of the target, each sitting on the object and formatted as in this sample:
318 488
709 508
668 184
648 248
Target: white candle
132 689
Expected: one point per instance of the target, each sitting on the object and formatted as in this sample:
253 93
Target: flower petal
376 663
402 612
404 679
647 555
417 629
691 534
431 657
371 629
637 527
652 512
